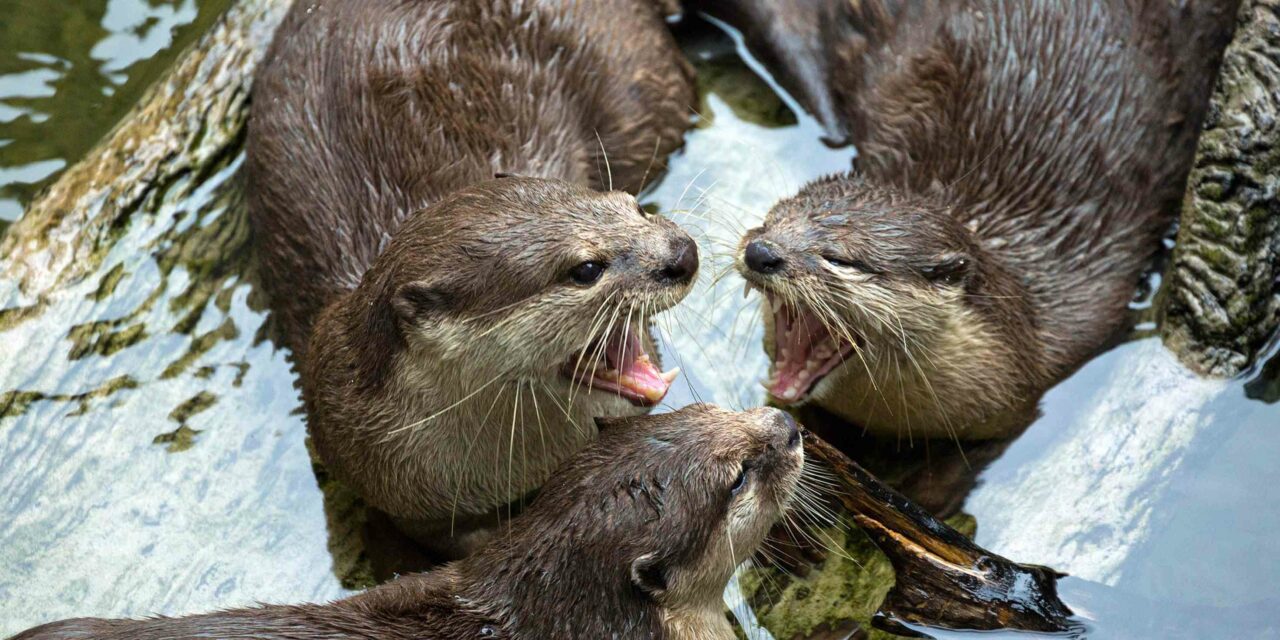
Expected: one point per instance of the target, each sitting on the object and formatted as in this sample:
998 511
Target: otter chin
635 536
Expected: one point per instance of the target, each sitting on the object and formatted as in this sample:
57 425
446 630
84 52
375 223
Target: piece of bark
1222 297
187 126
942 579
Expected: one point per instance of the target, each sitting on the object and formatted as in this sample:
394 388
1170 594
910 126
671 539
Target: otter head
651 521
886 309
537 281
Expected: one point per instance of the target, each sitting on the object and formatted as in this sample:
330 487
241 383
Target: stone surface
1222 298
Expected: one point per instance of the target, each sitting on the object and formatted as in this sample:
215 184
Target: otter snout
682 266
782 458
763 257
785 433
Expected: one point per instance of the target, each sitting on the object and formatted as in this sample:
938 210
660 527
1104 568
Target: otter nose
683 264
786 435
762 257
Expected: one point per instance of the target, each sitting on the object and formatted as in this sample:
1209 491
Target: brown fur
1045 142
427 303
634 537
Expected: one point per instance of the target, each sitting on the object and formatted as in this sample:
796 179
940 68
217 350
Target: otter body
456 333
634 537
1019 162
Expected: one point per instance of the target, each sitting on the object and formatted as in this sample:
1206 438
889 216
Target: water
70 69
154 457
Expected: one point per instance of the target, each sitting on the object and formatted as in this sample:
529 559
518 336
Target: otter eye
741 480
950 272
847 263
587 272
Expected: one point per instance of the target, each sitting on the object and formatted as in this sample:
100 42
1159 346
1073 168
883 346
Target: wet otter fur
456 333
634 537
1019 162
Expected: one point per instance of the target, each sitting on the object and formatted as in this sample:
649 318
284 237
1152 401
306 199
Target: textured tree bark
1222 295
189 125
942 579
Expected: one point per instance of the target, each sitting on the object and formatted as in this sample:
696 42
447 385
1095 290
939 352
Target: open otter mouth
617 363
804 352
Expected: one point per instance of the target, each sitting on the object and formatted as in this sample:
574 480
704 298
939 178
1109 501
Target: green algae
200 346
184 437
85 95
346 516
16 403
103 338
179 439
192 406
1224 295
722 73
849 585
108 283
13 316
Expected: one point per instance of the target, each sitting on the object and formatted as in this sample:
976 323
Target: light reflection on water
69 69
102 515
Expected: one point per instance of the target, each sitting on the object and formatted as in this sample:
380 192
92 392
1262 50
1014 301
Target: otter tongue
803 353
631 368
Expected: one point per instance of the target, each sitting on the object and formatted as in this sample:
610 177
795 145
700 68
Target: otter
635 536
1019 162
456 332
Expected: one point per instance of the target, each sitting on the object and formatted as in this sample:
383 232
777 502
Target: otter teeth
670 376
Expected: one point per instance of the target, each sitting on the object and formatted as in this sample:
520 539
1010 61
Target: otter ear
504 174
954 269
649 575
416 302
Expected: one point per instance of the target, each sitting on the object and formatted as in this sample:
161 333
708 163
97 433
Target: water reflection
154 458
70 70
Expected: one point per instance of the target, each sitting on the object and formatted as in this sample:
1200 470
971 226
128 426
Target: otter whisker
742 213
831 323
598 352
817 529
466 457
942 412
414 425
694 314
554 397
606 159
592 334
687 186
537 412
754 318
697 343
662 325
511 448
652 157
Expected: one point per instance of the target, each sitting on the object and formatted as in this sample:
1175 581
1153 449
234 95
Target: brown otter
634 537
457 333
1019 162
